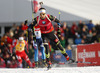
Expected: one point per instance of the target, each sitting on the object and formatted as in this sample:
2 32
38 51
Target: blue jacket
78 41
90 26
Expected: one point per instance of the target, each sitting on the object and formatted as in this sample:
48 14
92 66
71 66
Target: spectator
24 26
94 30
90 25
9 38
30 40
13 27
86 28
31 52
4 39
85 40
94 38
74 29
98 28
84 32
62 32
63 41
80 25
78 40
69 47
66 32
98 31
16 32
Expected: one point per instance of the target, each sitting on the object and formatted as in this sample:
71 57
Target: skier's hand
59 24
26 21
34 44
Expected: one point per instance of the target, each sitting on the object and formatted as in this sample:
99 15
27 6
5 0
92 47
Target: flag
36 6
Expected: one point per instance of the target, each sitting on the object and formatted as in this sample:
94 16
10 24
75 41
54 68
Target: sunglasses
42 14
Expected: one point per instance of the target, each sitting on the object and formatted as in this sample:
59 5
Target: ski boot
36 64
44 63
67 58
49 65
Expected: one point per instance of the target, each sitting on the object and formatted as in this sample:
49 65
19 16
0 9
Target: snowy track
95 69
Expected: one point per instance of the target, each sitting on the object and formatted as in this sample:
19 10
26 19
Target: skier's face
20 42
42 15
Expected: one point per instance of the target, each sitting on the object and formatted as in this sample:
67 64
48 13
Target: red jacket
74 28
45 25
25 27
9 40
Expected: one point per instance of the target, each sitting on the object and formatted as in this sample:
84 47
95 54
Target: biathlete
47 31
37 42
20 51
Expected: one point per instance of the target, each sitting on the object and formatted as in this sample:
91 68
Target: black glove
26 21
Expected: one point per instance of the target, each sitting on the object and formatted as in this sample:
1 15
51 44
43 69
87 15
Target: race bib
38 34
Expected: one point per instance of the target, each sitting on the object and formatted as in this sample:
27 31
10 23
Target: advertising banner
88 55
60 58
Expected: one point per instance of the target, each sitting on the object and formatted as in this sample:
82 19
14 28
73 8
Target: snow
95 69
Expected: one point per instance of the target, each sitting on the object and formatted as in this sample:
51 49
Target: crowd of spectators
80 33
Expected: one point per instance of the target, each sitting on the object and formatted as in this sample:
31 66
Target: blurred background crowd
80 33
